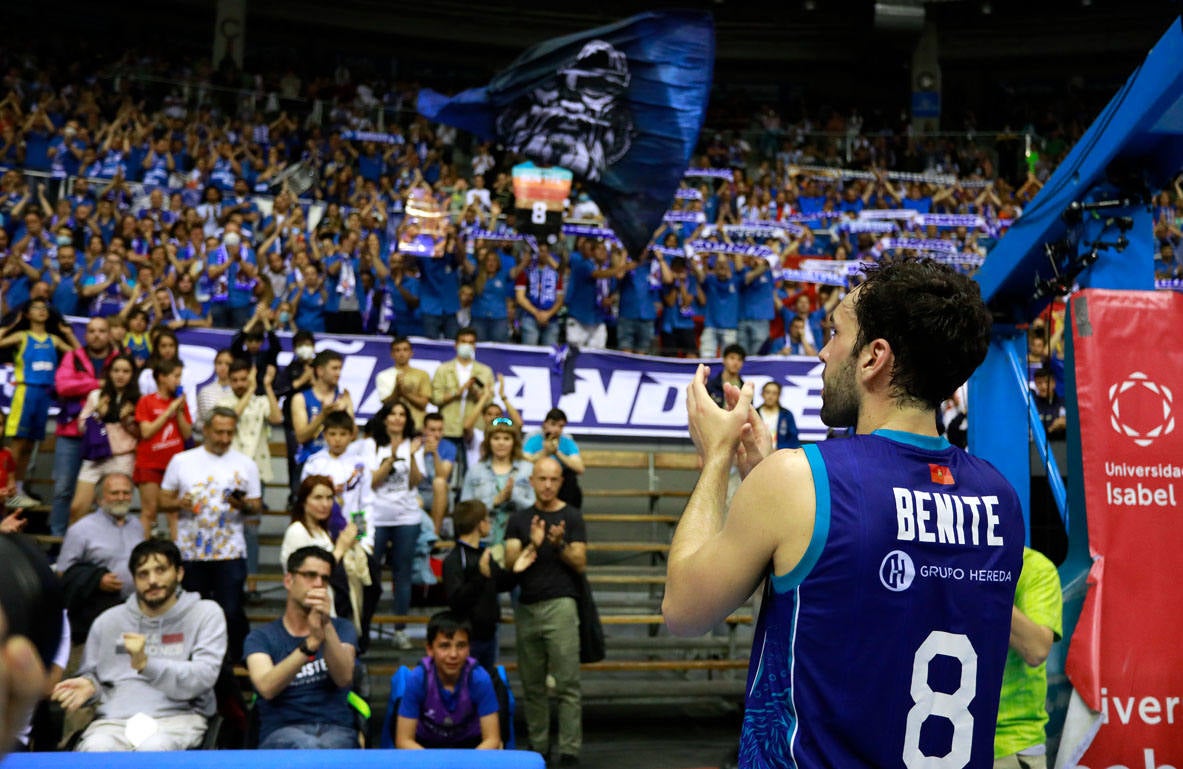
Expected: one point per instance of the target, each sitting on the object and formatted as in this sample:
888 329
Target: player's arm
490 732
404 733
716 561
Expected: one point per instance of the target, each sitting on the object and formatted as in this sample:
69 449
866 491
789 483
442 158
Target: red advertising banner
1126 656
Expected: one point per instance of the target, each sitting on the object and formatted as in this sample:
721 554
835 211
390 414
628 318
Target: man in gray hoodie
150 664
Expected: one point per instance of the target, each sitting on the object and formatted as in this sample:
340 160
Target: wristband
303 647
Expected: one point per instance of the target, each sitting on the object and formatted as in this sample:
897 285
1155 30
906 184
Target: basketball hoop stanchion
1090 227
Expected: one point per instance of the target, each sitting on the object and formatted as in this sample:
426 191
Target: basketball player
891 556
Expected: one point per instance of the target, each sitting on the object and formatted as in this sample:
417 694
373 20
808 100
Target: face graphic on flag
621 106
578 119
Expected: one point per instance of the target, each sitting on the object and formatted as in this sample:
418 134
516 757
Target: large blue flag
620 106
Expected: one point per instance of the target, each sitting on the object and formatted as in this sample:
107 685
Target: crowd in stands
185 205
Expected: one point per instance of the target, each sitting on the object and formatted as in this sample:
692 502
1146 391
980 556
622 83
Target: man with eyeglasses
302 663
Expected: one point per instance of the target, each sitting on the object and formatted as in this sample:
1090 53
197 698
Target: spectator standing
295 378
539 293
501 480
80 373
552 442
165 425
1019 740
1052 412
208 395
208 492
778 419
457 386
547 618
495 287
733 359
394 457
159 654
302 663
756 308
257 414
311 406
114 405
590 287
640 295
404 382
721 286
439 458
473 578
35 361
682 295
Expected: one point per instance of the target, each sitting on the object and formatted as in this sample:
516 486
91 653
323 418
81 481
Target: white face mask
305 352
465 351
119 509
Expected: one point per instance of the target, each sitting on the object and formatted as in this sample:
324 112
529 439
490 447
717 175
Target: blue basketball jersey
35 361
885 646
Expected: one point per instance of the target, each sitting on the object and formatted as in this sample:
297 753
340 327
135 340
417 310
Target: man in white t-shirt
208 491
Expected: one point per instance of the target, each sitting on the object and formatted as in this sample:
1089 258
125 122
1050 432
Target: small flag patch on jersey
941 474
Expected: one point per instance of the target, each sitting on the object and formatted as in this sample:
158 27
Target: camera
30 595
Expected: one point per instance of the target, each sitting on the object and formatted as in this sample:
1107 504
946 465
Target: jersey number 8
953 706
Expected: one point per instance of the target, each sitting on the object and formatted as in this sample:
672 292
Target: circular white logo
1141 409
897 572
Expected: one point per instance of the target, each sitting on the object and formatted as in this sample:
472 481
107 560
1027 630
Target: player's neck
892 416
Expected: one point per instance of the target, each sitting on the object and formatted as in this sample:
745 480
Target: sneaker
401 642
21 500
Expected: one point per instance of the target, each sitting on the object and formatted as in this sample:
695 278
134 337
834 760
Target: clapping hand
537 531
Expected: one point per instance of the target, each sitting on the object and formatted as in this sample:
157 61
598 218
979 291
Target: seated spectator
551 442
778 419
114 406
310 521
473 578
501 480
95 552
793 342
449 700
150 665
302 663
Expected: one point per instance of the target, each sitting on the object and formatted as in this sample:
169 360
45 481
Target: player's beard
840 406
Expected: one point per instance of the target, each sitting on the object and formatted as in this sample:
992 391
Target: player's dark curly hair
935 321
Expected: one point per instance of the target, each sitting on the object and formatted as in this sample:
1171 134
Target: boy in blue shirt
449 701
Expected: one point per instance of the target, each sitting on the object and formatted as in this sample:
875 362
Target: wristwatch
303 647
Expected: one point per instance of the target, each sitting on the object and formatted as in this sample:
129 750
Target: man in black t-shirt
552 537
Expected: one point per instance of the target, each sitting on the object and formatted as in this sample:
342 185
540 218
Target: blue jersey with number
885 646
35 360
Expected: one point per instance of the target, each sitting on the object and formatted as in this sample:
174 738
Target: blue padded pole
998 415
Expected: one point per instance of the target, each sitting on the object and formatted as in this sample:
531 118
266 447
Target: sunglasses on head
503 421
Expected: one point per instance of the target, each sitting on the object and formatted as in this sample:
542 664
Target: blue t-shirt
312 697
581 291
533 445
902 599
480 689
756 298
639 289
490 302
439 283
722 308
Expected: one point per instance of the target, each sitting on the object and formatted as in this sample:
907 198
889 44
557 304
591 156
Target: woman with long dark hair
394 456
114 404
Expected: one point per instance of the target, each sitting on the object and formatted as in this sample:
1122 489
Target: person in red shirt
165 425
10 523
